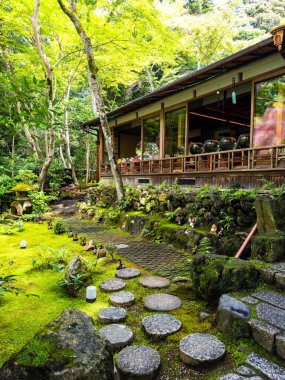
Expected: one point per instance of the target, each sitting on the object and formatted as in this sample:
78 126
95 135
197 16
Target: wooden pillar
186 129
252 113
162 131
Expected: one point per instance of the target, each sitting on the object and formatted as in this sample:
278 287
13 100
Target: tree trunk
49 135
67 138
96 90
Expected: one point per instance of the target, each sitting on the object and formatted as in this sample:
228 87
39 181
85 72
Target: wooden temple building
221 124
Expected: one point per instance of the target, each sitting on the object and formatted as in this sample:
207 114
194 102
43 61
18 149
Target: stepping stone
140 362
112 285
274 299
117 336
162 302
127 273
122 246
112 315
271 370
197 349
245 371
161 325
154 282
271 314
122 299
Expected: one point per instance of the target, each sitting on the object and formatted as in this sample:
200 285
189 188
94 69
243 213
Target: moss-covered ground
42 300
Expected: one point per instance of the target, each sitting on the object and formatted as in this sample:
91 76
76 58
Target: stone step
274 275
266 367
264 334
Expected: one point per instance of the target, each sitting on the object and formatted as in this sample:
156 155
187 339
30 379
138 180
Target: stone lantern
22 202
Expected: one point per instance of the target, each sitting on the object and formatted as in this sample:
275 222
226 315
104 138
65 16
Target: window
175 132
269 115
151 136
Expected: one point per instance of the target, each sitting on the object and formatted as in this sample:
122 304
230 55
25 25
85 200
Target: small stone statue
75 237
214 229
221 231
82 240
95 249
49 225
70 233
192 221
89 246
101 252
121 265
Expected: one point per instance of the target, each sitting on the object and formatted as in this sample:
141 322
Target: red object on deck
245 243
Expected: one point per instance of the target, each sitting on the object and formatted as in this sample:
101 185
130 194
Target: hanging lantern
278 34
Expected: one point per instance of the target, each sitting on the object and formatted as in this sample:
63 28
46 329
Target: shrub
39 201
27 176
58 226
7 285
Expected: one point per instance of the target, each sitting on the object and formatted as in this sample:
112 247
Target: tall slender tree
97 93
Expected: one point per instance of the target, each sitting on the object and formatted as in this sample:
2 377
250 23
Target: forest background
138 46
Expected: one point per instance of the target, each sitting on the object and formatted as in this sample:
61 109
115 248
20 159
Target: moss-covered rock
214 275
68 348
268 247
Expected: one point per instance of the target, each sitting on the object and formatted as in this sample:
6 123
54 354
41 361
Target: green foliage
40 201
7 285
58 226
204 246
207 190
27 176
227 221
73 284
22 187
6 184
50 258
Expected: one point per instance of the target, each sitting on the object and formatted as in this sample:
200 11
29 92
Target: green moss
36 354
22 187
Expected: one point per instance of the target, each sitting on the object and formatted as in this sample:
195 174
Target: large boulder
233 317
68 348
214 275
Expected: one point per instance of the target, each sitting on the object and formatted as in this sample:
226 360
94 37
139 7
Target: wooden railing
261 158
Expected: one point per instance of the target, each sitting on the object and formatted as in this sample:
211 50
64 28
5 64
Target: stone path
256 368
147 254
154 282
161 325
198 349
127 273
117 336
268 328
122 299
140 362
112 285
162 302
112 315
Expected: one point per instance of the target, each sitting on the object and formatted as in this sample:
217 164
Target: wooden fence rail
250 159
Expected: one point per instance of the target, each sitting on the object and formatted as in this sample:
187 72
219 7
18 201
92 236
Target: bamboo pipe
245 243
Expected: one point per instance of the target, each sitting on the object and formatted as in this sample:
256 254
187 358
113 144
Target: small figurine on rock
121 265
89 246
82 240
49 225
214 229
101 252
75 237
